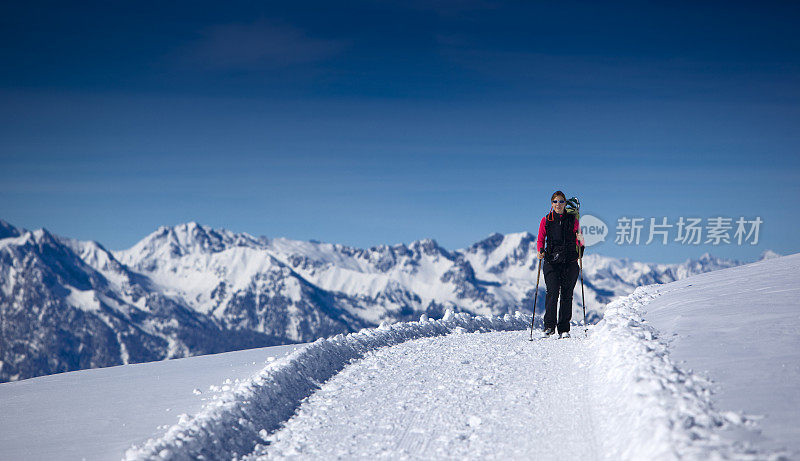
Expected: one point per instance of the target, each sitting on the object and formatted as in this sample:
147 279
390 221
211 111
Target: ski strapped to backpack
574 207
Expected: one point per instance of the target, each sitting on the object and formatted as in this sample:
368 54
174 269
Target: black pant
560 278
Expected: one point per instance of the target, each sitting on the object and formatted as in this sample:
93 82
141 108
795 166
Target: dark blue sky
386 122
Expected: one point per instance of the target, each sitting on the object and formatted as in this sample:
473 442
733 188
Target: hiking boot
549 331
564 334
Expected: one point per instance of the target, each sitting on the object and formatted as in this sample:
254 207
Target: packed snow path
470 387
478 395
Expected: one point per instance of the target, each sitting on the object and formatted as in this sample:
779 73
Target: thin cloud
256 45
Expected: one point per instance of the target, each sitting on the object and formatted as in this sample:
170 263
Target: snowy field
741 328
706 367
97 414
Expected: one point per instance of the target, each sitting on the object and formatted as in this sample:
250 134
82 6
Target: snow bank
658 411
749 345
240 418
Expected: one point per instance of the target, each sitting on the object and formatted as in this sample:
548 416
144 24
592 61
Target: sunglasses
559 201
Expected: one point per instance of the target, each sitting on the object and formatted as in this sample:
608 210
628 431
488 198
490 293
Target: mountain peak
488 244
45 236
496 239
182 239
429 247
769 254
7 230
706 257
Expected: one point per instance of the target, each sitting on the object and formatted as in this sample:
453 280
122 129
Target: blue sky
387 122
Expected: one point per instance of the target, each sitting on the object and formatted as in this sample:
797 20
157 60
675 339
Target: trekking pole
536 295
583 300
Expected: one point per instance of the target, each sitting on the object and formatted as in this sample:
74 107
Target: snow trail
234 422
471 387
478 395
495 395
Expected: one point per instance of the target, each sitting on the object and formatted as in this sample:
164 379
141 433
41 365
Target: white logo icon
593 229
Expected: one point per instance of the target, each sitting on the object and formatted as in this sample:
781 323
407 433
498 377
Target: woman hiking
558 244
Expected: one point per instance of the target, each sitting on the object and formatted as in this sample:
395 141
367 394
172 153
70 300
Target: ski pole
536 296
583 300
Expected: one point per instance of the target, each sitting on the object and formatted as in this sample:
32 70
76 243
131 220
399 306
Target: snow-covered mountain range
190 289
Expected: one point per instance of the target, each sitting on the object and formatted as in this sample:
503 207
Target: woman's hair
556 194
